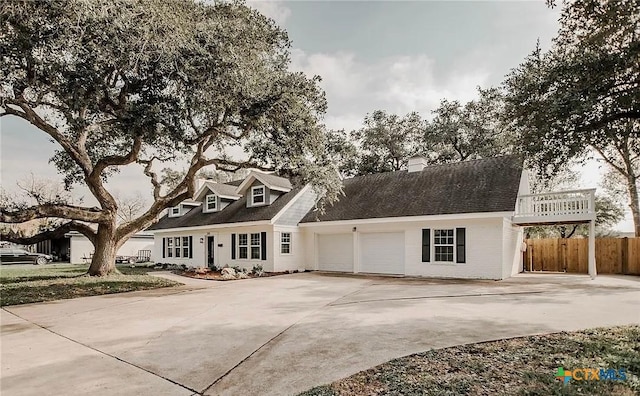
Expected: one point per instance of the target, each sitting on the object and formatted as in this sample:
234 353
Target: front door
210 251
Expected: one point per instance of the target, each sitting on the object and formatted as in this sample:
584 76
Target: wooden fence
613 255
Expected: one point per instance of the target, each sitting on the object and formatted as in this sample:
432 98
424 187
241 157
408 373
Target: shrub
257 270
237 268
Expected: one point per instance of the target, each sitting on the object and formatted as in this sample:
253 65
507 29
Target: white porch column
592 249
356 251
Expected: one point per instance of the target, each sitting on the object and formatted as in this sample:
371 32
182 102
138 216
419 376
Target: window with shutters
285 243
444 245
169 247
185 246
255 246
178 246
242 246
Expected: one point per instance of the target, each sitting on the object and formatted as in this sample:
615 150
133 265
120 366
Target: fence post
625 256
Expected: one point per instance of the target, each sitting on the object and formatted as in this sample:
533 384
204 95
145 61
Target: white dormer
263 188
258 195
215 196
210 203
182 208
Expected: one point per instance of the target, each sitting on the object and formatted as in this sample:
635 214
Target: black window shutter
190 246
233 246
426 245
460 245
263 245
164 246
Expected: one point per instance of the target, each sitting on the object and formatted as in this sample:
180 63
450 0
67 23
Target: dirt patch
517 366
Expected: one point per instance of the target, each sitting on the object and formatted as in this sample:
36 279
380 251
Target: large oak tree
583 95
460 132
150 82
387 141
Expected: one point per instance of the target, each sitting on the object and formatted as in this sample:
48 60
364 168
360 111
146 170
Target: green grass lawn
518 366
24 284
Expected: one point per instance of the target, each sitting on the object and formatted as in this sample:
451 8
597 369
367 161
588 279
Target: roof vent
417 164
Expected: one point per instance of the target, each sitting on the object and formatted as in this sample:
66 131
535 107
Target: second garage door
382 253
335 252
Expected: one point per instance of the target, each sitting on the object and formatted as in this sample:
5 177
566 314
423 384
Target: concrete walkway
282 335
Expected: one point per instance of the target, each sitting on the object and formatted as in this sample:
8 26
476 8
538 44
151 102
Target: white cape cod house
461 220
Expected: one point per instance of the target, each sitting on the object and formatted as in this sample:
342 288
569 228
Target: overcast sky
396 56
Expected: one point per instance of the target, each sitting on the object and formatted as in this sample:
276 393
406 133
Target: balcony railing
569 206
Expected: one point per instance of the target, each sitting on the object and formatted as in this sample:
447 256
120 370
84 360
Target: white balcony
562 207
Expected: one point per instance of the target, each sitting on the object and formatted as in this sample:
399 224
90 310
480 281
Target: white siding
222 236
524 187
293 260
512 253
82 248
198 259
484 246
301 205
134 245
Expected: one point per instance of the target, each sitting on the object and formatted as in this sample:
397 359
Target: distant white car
21 256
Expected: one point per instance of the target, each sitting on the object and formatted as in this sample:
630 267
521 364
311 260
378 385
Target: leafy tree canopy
457 132
474 130
584 93
124 82
387 141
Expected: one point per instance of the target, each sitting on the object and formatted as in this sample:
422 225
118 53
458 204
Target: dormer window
211 203
175 211
257 195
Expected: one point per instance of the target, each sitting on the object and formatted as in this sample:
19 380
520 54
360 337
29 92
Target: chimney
199 183
417 164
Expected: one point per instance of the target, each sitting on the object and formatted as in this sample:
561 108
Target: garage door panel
382 253
335 252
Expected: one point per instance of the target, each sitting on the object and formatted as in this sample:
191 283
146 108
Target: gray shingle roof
220 189
236 212
275 181
486 185
272 181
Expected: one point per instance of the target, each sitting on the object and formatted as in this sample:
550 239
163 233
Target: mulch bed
217 275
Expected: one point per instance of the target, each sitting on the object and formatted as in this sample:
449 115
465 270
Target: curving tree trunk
634 204
105 245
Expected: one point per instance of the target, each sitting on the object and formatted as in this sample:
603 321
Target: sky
396 56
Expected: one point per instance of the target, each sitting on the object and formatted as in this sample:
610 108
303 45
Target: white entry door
335 252
382 252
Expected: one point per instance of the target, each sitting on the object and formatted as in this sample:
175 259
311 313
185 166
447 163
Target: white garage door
335 252
382 253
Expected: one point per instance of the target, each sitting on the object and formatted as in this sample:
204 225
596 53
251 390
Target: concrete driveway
284 334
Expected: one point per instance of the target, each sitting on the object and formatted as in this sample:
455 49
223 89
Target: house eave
256 176
212 226
455 216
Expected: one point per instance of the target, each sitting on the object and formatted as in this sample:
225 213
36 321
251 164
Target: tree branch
90 215
118 160
630 114
153 176
59 232
609 161
235 165
81 158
